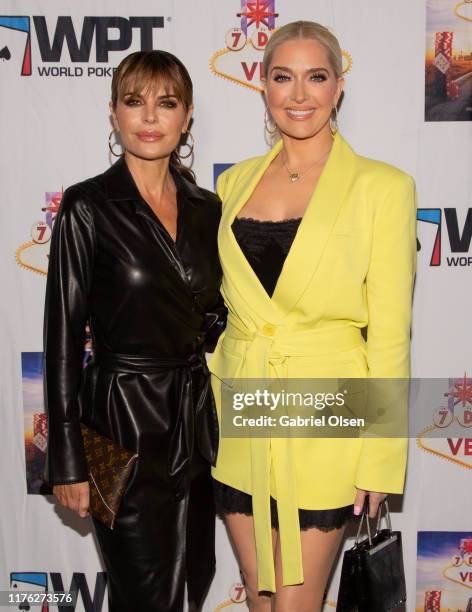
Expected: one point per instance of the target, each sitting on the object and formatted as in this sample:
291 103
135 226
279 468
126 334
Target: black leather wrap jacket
154 308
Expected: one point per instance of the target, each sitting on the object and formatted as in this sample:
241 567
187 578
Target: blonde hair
304 30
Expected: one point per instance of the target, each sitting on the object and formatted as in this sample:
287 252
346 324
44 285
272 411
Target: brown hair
147 68
308 30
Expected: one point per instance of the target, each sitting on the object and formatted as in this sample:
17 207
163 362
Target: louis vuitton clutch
109 467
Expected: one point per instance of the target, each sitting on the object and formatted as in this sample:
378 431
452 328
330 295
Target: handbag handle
365 514
387 517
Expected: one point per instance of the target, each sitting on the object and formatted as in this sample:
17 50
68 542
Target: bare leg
241 533
319 550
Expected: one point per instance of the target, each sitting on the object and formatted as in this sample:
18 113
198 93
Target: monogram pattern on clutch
109 467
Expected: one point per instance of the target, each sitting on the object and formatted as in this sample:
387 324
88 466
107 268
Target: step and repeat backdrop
408 101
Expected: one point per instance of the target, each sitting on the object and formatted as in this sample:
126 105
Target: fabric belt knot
196 410
267 350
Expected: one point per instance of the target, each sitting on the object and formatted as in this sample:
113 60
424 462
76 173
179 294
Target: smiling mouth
300 114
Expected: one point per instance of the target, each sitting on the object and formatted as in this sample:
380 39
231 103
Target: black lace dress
266 245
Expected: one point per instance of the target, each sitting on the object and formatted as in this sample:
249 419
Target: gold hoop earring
333 121
267 121
190 146
110 146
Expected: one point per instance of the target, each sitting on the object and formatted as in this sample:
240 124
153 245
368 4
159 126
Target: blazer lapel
315 228
236 267
310 241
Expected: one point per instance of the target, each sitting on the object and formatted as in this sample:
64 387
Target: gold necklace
295 176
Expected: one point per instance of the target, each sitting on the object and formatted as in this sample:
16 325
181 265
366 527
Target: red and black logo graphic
459 236
104 35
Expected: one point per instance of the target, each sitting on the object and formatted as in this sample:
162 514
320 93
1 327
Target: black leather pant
140 578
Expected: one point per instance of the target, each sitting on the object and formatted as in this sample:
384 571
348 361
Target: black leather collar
120 185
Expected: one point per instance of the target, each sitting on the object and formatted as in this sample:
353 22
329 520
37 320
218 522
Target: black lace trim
296 220
229 500
265 245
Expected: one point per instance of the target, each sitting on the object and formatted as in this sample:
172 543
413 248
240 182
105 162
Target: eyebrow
308 70
164 97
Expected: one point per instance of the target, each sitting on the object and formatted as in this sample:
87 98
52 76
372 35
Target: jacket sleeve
66 312
389 286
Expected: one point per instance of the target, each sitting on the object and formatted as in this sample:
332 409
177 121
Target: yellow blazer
351 266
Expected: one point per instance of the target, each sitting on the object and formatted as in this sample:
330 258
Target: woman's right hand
74 496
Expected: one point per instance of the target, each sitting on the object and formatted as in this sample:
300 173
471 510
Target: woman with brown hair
134 254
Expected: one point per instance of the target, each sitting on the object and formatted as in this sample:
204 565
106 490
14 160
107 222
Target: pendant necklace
295 176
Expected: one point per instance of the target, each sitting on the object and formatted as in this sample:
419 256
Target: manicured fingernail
357 510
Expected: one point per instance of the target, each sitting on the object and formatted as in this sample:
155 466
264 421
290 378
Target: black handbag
372 574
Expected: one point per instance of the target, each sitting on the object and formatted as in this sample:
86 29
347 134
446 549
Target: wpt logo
39 581
459 238
103 34
18 24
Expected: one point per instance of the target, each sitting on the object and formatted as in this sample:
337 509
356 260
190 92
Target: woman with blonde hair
316 244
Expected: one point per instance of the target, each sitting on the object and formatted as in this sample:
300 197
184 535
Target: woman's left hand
375 498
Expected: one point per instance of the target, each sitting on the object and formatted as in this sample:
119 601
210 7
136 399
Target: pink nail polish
357 510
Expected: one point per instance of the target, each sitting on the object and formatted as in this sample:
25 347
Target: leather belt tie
196 409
